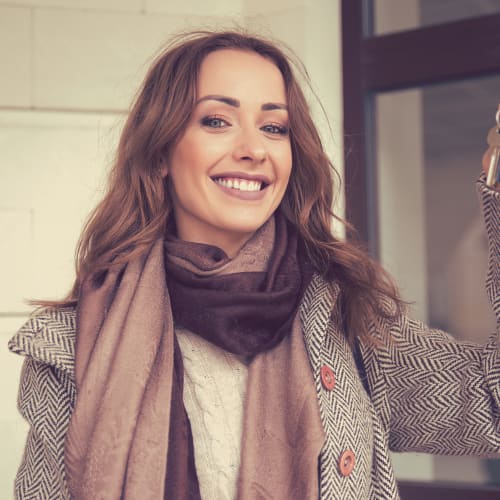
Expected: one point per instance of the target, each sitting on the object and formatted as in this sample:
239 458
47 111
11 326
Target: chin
245 225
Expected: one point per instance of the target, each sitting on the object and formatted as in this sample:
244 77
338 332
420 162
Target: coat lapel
49 337
316 312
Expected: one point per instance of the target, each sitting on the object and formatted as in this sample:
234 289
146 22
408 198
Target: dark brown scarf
129 371
244 313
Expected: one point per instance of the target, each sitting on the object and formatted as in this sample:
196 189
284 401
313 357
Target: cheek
184 165
286 161
196 154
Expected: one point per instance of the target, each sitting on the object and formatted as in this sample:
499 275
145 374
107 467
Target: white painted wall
68 71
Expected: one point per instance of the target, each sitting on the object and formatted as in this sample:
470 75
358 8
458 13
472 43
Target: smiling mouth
240 184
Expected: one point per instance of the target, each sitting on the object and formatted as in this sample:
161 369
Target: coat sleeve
434 393
44 401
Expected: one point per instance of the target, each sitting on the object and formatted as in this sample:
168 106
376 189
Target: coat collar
316 312
49 337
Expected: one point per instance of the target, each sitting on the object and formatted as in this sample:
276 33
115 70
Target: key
493 139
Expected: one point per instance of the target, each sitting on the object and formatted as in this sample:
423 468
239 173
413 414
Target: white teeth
241 184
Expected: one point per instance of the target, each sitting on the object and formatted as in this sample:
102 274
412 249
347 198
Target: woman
219 342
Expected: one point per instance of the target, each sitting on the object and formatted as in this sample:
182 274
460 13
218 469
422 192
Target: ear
164 171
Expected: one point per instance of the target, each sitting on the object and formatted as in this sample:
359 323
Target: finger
486 159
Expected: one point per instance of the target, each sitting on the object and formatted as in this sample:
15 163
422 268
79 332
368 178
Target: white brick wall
110 5
94 60
15 56
214 8
68 70
52 172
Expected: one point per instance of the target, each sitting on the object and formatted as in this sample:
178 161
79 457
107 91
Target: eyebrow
268 106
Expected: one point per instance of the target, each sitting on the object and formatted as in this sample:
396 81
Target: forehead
241 74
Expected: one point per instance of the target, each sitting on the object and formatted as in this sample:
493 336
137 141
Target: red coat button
327 377
346 462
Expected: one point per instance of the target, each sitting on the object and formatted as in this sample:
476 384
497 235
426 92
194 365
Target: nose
250 146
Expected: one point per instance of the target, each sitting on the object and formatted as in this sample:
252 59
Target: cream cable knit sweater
214 391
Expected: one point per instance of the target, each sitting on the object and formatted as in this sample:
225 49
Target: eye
275 129
214 121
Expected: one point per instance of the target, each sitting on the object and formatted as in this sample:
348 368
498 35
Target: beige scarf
118 438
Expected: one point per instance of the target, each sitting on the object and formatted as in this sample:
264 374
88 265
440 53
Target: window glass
429 143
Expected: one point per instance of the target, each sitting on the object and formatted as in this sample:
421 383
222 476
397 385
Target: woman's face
230 169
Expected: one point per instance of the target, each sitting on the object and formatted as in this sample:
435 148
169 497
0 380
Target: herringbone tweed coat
420 390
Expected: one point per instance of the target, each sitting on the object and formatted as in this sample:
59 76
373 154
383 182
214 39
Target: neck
231 244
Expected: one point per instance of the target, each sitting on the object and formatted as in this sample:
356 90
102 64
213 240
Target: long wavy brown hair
136 207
